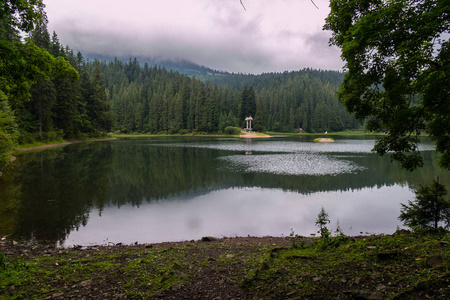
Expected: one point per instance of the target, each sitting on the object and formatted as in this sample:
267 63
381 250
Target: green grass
119 135
282 133
317 268
145 135
354 264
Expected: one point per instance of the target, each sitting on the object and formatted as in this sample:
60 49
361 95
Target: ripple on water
286 147
340 146
290 164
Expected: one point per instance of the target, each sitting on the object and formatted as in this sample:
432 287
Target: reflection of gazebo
249 123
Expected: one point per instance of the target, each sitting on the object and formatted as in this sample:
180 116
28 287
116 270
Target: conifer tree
43 93
428 210
260 119
98 107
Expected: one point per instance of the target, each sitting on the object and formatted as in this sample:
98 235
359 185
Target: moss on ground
400 266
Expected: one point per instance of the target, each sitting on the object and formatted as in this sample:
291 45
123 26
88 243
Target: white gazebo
249 123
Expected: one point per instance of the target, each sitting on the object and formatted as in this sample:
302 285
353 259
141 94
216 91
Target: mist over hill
181 66
221 78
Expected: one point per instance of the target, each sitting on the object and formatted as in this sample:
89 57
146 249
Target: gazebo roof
249 118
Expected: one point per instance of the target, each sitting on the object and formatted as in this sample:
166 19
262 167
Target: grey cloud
324 55
232 57
216 34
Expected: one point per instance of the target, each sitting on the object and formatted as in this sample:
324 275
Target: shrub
7 146
53 136
173 131
232 130
428 210
322 220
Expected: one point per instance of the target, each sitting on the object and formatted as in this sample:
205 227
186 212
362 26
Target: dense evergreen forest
153 99
64 106
74 97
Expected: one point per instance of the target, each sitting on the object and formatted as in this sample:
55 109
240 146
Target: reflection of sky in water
242 212
292 158
290 164
340 146
256 211
283 146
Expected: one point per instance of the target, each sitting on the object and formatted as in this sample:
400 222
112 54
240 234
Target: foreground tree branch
397 55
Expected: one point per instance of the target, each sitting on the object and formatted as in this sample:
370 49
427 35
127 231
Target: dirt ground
238 268
253 135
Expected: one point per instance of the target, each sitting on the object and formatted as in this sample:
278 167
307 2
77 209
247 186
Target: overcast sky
269 36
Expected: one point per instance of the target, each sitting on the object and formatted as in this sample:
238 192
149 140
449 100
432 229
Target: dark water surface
170 189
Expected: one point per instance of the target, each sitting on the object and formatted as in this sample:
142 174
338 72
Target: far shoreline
246 135
60 144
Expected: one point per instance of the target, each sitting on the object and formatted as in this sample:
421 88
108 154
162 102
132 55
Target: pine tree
248 103
43 97
98 107
43 93
428 210
261 118
178 113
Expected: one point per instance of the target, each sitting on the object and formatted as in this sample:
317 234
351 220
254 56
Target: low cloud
269 36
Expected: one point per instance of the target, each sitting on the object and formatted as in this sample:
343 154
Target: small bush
322 220
53 135
7 146
232 130
429 210
26 138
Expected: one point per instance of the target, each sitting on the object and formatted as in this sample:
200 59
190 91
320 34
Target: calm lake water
182 188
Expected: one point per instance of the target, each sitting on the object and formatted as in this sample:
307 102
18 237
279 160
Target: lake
149 190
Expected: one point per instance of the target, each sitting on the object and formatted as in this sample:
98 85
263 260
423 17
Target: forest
153 99
65 95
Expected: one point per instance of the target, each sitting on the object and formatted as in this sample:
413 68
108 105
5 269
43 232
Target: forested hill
289 100
176 65
153 99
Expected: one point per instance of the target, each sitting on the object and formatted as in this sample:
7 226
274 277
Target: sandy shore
324 140
253 135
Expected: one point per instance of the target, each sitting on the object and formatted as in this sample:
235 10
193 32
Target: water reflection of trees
51 193
151 173
58 188
9 203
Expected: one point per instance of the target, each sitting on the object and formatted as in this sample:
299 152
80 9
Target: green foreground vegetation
399 266
396 55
